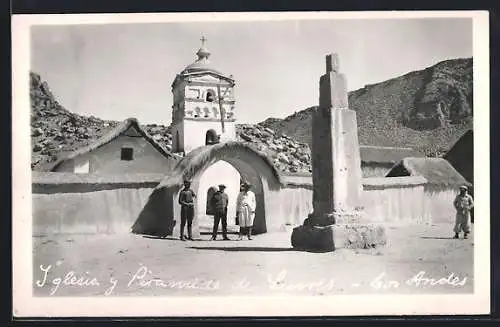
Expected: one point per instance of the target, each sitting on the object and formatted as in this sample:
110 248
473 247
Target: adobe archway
207 178
161 214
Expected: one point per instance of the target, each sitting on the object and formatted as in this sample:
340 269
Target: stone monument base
314 238
359 236
346 231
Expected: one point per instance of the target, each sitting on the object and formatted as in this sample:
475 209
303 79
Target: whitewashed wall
289 206
395 204
99 212
439 201
396 199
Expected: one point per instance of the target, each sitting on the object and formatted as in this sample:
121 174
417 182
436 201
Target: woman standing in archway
245 210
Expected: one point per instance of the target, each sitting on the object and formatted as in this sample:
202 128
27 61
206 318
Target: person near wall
186 200
245 210
463 203
219 204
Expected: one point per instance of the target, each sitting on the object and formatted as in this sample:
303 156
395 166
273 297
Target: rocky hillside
55 130
427 110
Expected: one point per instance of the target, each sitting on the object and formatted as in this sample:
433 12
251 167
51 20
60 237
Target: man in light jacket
463 203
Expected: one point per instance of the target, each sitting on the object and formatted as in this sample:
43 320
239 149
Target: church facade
203 105
203 114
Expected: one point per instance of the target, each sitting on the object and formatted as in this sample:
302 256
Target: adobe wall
82 205
85 204
439 200
391 200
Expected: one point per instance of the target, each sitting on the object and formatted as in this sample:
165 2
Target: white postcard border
25 305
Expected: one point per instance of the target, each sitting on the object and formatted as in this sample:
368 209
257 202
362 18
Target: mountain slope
427 110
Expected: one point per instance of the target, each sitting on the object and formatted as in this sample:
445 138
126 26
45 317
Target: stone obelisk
336 164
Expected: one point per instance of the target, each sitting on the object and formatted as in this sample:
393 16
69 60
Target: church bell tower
203 105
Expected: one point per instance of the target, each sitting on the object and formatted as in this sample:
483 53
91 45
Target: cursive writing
278 283
142 279
382 283
70 279
421 280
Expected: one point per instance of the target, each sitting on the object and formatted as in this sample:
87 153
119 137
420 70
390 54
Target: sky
117 71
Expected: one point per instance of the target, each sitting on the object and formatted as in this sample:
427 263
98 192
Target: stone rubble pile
287 155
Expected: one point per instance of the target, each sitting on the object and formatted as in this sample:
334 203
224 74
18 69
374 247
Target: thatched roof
110 136
386 155
394 181
50 182
436 171
366 181
200 157
461 155
53 178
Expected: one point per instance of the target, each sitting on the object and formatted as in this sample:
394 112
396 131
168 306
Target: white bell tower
203 108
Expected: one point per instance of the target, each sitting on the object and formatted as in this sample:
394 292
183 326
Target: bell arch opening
211 137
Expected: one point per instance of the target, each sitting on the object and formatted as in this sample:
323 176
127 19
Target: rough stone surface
313 238
359 236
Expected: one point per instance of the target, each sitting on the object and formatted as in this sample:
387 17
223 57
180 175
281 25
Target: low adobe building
440 189
126 149
377 161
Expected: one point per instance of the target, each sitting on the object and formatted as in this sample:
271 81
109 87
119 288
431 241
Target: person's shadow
255 249
436 238
242 248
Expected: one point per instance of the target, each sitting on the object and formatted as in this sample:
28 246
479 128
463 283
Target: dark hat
222 186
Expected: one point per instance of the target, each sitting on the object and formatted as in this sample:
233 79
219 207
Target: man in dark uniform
186 200
219 204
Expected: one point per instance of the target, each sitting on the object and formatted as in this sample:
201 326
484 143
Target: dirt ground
131 265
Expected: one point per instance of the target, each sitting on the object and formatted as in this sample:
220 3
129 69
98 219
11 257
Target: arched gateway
161 214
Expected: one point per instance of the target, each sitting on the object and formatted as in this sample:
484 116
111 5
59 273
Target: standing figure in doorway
219 203
186 200
245 210
463 203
